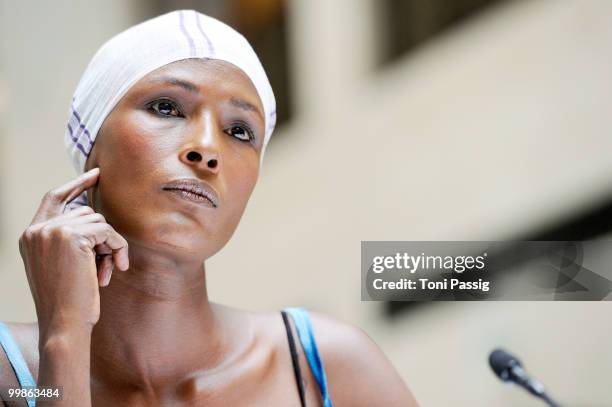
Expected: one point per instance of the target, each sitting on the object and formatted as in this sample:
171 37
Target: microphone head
502 362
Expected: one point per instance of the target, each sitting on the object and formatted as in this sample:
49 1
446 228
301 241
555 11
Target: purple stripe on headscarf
76 141
184 30
85 149
74 112
77 135
81 125
211 49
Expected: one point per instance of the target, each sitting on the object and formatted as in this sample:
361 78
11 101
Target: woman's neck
156 324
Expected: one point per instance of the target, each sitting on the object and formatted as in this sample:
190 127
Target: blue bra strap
16 359
306 334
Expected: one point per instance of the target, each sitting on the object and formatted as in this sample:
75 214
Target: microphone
509 369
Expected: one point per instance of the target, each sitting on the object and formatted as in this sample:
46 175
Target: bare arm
65 364
8 379
359 374
59 254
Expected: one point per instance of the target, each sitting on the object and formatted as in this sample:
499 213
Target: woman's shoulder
25 335
358 372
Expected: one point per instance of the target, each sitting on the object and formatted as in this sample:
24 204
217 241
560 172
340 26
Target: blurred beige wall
494 129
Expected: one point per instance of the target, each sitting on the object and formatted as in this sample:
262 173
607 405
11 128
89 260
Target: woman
180 110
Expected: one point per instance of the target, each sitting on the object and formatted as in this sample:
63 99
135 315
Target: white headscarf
139 50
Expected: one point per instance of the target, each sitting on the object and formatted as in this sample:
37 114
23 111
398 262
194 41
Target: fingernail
107 278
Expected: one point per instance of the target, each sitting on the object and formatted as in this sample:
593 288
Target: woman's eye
240 132
165 108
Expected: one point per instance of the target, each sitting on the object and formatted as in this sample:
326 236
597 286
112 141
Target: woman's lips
193 190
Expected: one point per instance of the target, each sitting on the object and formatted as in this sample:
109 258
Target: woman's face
197 121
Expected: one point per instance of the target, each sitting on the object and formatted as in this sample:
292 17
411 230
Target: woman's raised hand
59 253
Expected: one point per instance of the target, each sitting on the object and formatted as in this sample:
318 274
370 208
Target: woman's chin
177 237
189 250
180 248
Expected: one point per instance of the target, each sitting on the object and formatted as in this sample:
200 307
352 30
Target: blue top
17 361
299 315
306 334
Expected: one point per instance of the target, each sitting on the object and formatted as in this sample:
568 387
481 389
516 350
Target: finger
105 271
80 211
90 218
72 217
103 250
55 200
73 188
64 218
99 233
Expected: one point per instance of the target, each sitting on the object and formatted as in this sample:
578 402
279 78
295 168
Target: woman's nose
205 158
202 148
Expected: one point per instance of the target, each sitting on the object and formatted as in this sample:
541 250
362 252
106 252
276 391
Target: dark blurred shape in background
410 23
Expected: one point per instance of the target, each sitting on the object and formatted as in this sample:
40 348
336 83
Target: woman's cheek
128 159
141 143
242 182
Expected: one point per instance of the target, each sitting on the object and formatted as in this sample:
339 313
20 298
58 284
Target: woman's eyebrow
176 82
240 103
243 104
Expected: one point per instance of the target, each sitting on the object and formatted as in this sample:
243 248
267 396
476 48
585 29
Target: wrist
64 362
60 321
58 335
